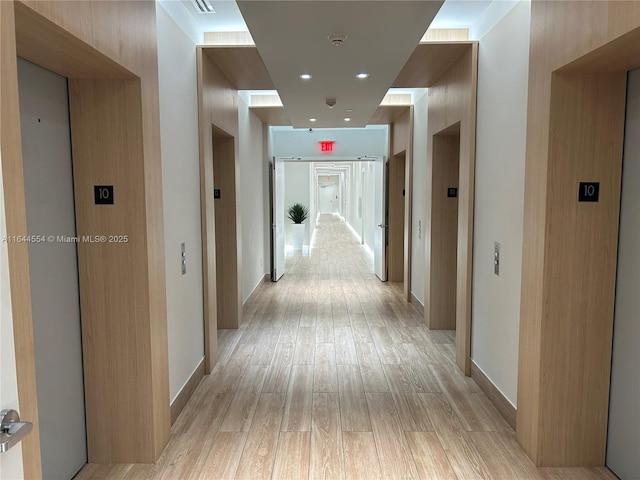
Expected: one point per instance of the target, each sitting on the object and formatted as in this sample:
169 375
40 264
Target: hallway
333 376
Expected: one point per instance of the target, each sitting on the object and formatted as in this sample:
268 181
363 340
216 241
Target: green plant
298 213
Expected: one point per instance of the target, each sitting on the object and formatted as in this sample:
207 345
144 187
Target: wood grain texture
78 41
429 62
325 373
574 128
241 65
503 456
408 209
292 458
464 458
16 224
326 438
44 43
578 325
496 397
445 34
452 99
262 441
198 449
400 201
106 129
396 461
297 410
228 288
444 229
224 456
396 201
228 38
430 459
185 394
217 107
353 403
360 456
271 115
245 400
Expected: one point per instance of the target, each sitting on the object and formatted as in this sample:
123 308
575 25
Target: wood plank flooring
334 376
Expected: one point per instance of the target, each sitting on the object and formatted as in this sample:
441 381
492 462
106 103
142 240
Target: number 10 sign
103 194
588 191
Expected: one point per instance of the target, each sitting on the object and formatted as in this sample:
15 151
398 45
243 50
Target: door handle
12 430
382 226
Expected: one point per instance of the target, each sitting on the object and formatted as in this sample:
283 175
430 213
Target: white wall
419 196
11 461
181 197
253 169
349 142
499 199
296 190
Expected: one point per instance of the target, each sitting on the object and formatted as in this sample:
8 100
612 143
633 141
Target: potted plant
297 213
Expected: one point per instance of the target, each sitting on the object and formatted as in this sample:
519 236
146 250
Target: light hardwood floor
334 376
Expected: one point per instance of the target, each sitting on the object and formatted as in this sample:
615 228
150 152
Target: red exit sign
326 145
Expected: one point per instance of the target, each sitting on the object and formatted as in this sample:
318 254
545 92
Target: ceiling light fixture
347 119
312 119
305 76
362 75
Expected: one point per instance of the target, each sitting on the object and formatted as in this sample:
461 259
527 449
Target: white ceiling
291 38
453 14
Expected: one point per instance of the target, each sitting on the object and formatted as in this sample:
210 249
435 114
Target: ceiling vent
203 6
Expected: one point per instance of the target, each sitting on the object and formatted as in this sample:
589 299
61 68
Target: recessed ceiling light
362 75
305 76
312 119
349 110
347 119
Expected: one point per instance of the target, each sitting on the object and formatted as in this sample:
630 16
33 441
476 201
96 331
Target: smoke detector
330 102
336 39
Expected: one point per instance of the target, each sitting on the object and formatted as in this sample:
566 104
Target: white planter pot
297 235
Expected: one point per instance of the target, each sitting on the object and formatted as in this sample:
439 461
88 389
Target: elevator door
623 442
53 269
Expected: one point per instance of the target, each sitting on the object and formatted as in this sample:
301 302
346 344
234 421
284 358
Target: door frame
92 74
571 244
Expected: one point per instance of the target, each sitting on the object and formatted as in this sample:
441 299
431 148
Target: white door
623 439
53 269
380 216
277 227
326 198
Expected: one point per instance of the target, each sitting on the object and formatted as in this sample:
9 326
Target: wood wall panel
444 230
401 134
452 99
112 315
16 223
574 129
102 40
395 253
217 111
227 268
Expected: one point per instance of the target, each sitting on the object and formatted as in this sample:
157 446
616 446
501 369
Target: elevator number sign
103 194
588 191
